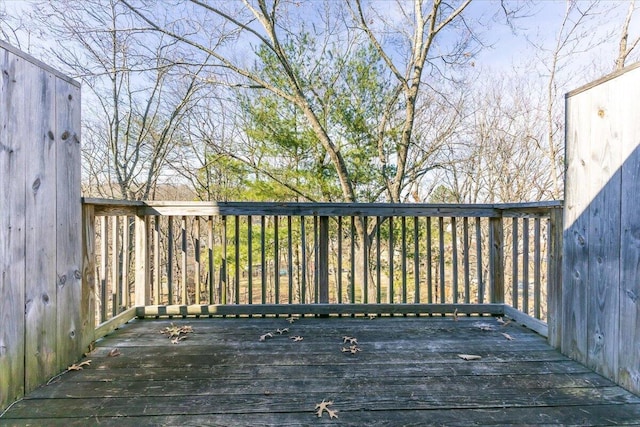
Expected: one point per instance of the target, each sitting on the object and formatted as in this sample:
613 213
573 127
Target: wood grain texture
41 184
603 145
629 320
72 320
575 236
407 373
13 160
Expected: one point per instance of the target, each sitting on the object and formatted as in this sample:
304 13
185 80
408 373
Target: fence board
12 229
73 307
39 142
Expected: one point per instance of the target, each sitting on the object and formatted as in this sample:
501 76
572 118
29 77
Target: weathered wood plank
72 323
604 111
316 309
592 415
13 160
41 183
629 321
575 237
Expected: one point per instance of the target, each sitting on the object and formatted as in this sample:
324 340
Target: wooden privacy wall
41 327
601 267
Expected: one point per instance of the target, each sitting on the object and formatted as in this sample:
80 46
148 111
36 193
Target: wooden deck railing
198 258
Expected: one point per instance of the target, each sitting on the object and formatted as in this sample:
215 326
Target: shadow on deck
407 372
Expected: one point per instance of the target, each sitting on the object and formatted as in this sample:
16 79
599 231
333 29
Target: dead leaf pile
353 348
324 406
177 333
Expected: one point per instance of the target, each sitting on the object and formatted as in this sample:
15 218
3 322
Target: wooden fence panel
42 317
12 231
601 238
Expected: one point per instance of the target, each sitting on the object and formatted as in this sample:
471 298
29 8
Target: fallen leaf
483 326
297 338
78 366
455 315
469 357
176 332
265 336
502 322
351 340
507 336
353 349
373 316
176 340
113 353
324 406
292 319
282 331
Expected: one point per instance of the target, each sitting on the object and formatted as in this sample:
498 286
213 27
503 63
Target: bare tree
138 87
625 47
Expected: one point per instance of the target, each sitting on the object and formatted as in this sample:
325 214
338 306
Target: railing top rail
128 207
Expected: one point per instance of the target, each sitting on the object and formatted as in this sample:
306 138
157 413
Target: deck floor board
407 373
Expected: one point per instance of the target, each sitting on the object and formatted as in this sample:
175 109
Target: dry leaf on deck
455 315
373 316
507 336
353 349
282 331
324 406
350 340
113 353
176 340
469 357
297 338
265 336
78 366
502 322
483 326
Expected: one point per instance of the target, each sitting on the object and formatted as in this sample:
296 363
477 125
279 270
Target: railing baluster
365 262
263 260
143 284
104 256
416 260
403 259
479 266
391 249
465 248
115 266
429 263
525 265
210 259
442 260
378 259
454 258
170 242
197 272
183 257
323 259
514 263
290 259
303 243
249 259
223 267
237 266
126 291
339 275
156 260
352 262
536 268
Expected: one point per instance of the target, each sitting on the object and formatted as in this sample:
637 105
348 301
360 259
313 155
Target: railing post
323 260
143 284
554 278
496 260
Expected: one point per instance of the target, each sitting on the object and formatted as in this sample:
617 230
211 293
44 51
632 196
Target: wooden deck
407 372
